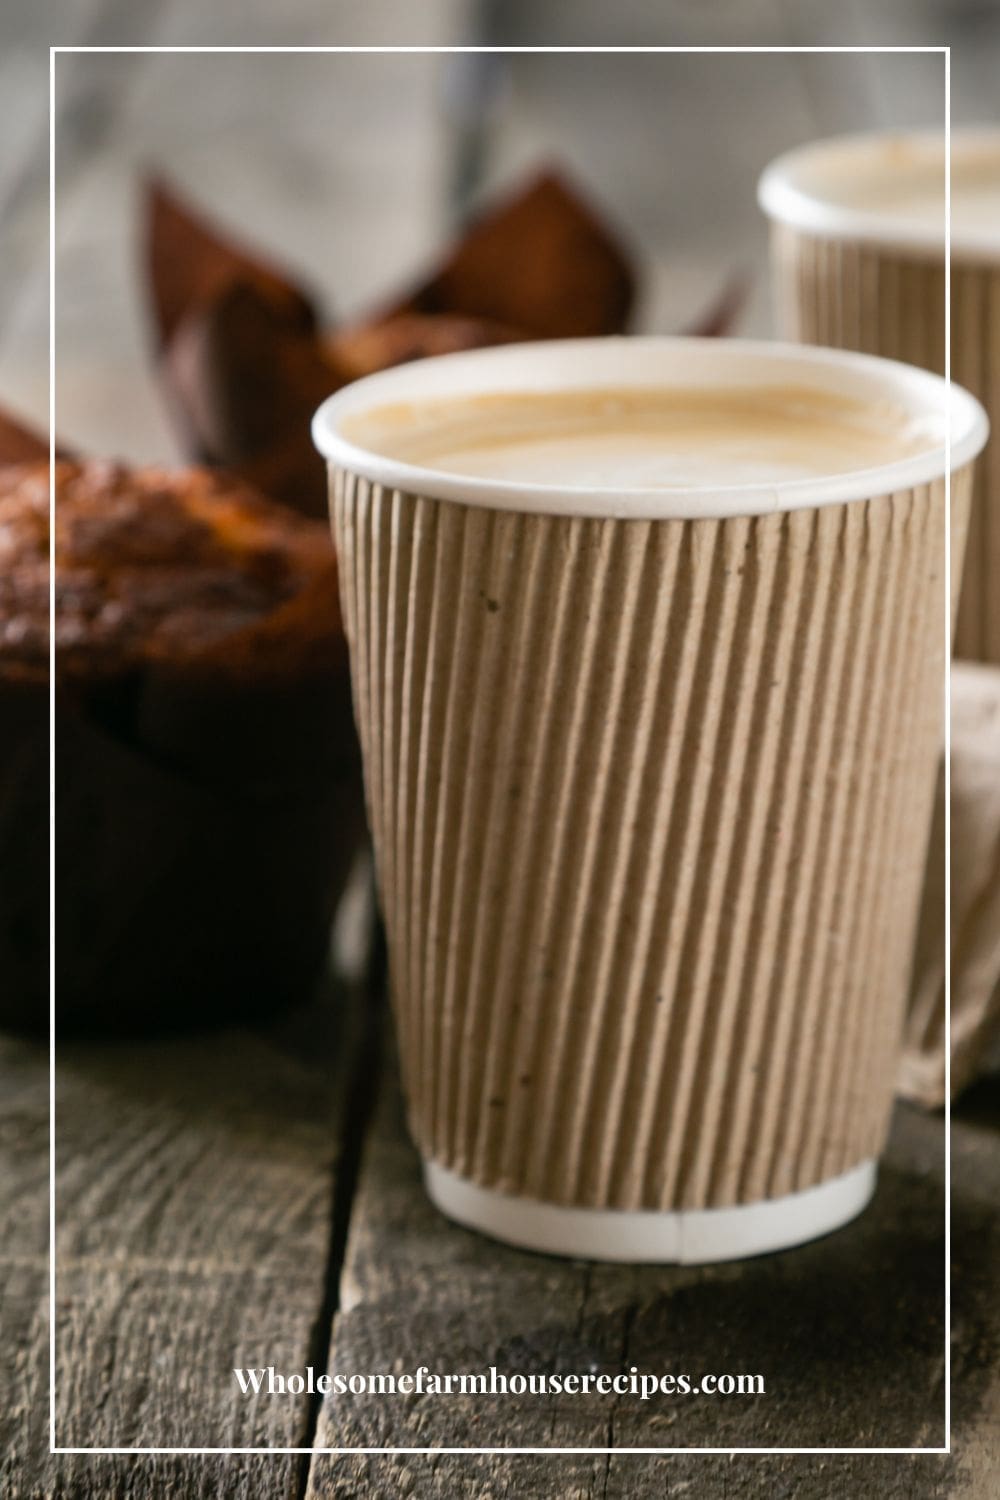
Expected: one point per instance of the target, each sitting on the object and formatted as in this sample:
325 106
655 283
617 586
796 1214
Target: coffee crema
644 437
903 184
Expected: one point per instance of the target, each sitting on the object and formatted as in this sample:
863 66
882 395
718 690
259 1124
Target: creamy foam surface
904 184
644 438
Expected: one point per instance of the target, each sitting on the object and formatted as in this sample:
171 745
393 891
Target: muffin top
180 567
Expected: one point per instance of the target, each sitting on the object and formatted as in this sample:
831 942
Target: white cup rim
794 190
588 363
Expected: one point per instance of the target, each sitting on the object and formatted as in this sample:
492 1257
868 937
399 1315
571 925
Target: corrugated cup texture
650 802
849 295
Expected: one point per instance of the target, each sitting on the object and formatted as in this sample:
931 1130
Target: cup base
688 1237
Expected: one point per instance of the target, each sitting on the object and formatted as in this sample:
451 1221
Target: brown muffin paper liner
24 852
850 295
649 801
178 901
180 897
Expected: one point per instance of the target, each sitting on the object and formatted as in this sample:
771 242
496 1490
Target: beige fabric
975 912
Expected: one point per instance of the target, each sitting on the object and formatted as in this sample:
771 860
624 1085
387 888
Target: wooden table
250 1197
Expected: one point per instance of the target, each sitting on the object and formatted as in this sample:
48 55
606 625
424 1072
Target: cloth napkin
975 906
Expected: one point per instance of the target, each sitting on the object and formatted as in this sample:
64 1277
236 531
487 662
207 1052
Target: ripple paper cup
649 776
863 278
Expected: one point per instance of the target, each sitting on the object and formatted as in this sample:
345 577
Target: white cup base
687 1237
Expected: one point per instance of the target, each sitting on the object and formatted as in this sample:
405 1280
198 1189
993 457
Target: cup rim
639 361
790 191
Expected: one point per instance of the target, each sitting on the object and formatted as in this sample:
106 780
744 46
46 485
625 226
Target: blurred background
352 169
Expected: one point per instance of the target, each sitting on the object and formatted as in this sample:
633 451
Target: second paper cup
858 253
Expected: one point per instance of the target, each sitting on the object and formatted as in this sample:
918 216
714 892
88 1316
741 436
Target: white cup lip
586 363
791 190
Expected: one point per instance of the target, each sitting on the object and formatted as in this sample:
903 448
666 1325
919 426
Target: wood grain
848 1333
196 1183
24 1235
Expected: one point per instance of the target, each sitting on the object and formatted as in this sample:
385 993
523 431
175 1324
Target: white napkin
975 905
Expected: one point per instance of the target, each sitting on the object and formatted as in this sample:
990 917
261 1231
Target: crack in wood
357 1113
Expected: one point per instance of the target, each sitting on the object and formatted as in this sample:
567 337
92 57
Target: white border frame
946 54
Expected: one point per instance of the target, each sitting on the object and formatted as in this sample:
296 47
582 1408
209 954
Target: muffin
246 355
208 798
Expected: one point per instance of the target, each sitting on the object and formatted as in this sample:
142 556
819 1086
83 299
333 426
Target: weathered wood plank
196 1183
24 1235
82 120
848 1333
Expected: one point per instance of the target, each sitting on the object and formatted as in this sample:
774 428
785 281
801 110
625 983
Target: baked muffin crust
153 564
